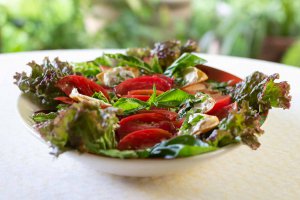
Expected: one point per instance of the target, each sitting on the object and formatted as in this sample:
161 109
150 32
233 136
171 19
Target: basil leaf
155 65
180 146
100 96
115 153
130 61
42 117
130 105
172 98
152 100
184 61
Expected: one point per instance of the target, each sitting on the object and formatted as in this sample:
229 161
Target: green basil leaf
172 98
180 146
130 61
130 105
42 117
184 61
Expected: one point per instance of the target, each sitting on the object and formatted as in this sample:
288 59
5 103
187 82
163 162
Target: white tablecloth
27 171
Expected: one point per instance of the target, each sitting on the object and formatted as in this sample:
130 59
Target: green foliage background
239 27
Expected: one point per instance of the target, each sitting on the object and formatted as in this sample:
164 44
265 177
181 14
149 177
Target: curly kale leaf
42 80
262 92
243 125
81 126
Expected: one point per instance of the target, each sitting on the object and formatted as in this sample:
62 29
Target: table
27 171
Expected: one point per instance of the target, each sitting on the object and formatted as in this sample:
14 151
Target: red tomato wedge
142 82
66 100
137 96
143 139
221 101
144 92
84 85
144 121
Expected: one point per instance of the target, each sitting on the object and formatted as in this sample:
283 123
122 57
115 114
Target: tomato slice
84 85
66 100
223 112
144 121
140 97
142 82
143 139
221 101
168 79
144 92
172 116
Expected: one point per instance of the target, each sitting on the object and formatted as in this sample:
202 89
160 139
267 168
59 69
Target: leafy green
171 98
88 69
140 53
220 86
243 125
180 146
262 92
115 153
130 61
42 117
167 52
154 63
184 61
99 95
130 105
190 122
200 103
82 126
41 83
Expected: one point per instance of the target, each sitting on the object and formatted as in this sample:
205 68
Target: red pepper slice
84 85
142 82
143 139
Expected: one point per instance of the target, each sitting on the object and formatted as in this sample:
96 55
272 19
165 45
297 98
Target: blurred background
262 29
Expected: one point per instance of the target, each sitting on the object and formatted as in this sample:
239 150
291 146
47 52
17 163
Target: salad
148 103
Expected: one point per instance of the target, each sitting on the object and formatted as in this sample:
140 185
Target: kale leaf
41 82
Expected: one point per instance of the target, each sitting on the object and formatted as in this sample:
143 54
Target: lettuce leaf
41 82
81 126
262 92
242 125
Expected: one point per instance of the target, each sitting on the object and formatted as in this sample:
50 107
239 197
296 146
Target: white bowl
124 167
